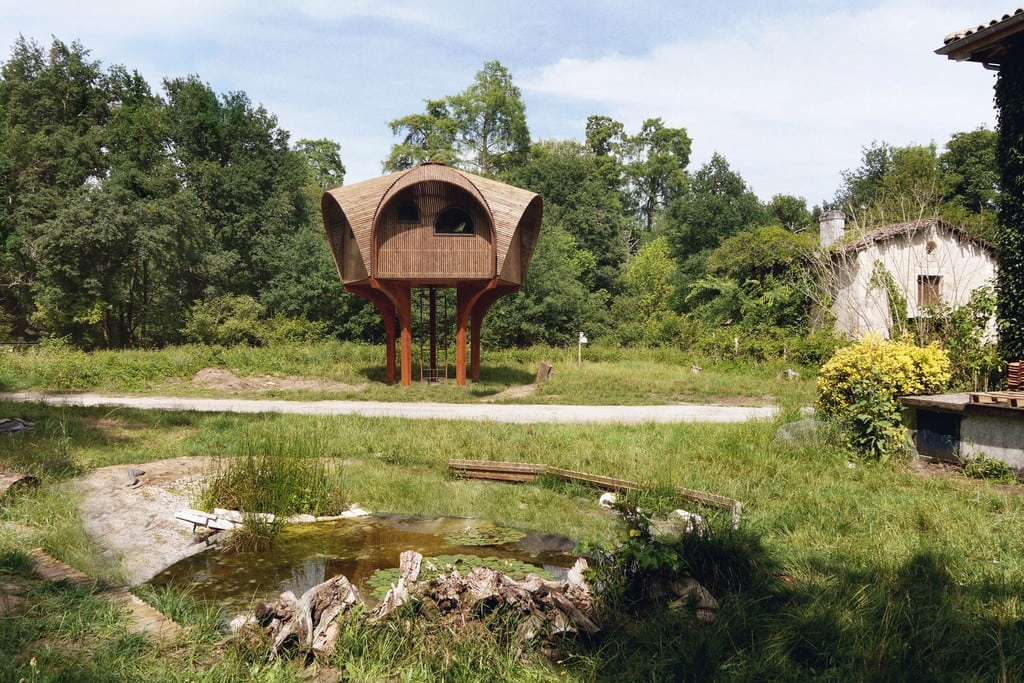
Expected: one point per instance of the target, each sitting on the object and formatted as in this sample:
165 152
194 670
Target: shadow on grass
47 449
490 375
911 622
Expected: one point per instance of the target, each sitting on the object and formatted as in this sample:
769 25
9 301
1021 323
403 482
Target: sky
788 91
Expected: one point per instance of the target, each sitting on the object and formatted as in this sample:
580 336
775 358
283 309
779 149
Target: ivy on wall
1010 242
882 279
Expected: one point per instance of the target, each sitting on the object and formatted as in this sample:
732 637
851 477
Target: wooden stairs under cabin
527 472
1013 397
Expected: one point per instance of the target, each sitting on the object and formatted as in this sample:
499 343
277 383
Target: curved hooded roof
352 213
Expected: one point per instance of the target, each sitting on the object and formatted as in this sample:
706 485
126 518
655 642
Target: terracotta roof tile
888 232
970 30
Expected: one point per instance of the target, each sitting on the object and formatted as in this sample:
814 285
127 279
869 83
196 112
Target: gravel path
518 413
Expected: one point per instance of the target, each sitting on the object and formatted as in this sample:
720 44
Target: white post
579 350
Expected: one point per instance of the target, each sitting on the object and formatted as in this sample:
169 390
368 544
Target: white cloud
790 100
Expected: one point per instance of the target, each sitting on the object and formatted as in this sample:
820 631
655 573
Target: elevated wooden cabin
432 226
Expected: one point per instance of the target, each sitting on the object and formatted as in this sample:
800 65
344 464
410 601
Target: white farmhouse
910 266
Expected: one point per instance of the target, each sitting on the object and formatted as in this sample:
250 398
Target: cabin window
929 290
408 212
453 221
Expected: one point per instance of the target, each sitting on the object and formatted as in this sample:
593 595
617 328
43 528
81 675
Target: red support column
403 302
463 306
381 299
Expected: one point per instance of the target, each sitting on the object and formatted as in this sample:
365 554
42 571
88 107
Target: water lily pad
484 535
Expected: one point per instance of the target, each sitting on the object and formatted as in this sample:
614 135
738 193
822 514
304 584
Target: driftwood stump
545 371
308 624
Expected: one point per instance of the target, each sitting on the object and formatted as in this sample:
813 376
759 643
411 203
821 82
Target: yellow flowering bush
897 366
858 386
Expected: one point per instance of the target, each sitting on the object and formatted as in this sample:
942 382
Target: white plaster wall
962 265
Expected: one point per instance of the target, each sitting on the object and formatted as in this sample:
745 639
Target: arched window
453 221
408 212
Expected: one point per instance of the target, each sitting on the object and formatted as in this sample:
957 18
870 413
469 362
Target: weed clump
280 474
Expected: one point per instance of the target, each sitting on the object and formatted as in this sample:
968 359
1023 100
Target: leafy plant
639 561
859 386
984 467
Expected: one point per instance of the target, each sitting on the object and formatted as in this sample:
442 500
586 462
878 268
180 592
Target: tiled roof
907 229
970 30
985 43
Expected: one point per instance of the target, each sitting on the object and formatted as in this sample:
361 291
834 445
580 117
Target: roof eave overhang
986 45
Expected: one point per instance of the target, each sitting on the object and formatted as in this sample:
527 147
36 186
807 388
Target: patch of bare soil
947 470
134 523
521 391
225 380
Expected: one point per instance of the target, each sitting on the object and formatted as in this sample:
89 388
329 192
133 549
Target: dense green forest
131 217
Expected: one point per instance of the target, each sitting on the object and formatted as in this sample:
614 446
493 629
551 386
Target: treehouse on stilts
432 227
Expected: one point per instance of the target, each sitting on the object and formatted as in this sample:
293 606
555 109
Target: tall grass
607 375
841 570
278 473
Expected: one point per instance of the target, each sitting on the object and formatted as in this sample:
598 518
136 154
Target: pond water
307 554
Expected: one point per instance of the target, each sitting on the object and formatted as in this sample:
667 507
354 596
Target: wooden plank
498 476
583 477
142 618
524 472
494 466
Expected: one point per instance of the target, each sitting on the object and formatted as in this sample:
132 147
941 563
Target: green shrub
983 467
859 385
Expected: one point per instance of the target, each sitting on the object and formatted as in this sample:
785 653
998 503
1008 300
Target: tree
893 185
323 158
53 106
249 184
490 119
971 194
571 180
655 168
1010 244
791 213
716 205
553 305
482 129
429 136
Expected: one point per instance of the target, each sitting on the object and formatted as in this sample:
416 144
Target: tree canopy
135 216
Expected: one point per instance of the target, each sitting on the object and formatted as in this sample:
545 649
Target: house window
929 290
408 212
453 221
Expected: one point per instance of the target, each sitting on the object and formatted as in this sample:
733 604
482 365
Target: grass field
841 570
353 371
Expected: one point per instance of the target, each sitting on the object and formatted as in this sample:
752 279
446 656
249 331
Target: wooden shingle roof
359 204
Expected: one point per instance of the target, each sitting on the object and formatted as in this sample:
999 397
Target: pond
363 549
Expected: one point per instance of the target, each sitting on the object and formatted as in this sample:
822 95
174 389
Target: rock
677 524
